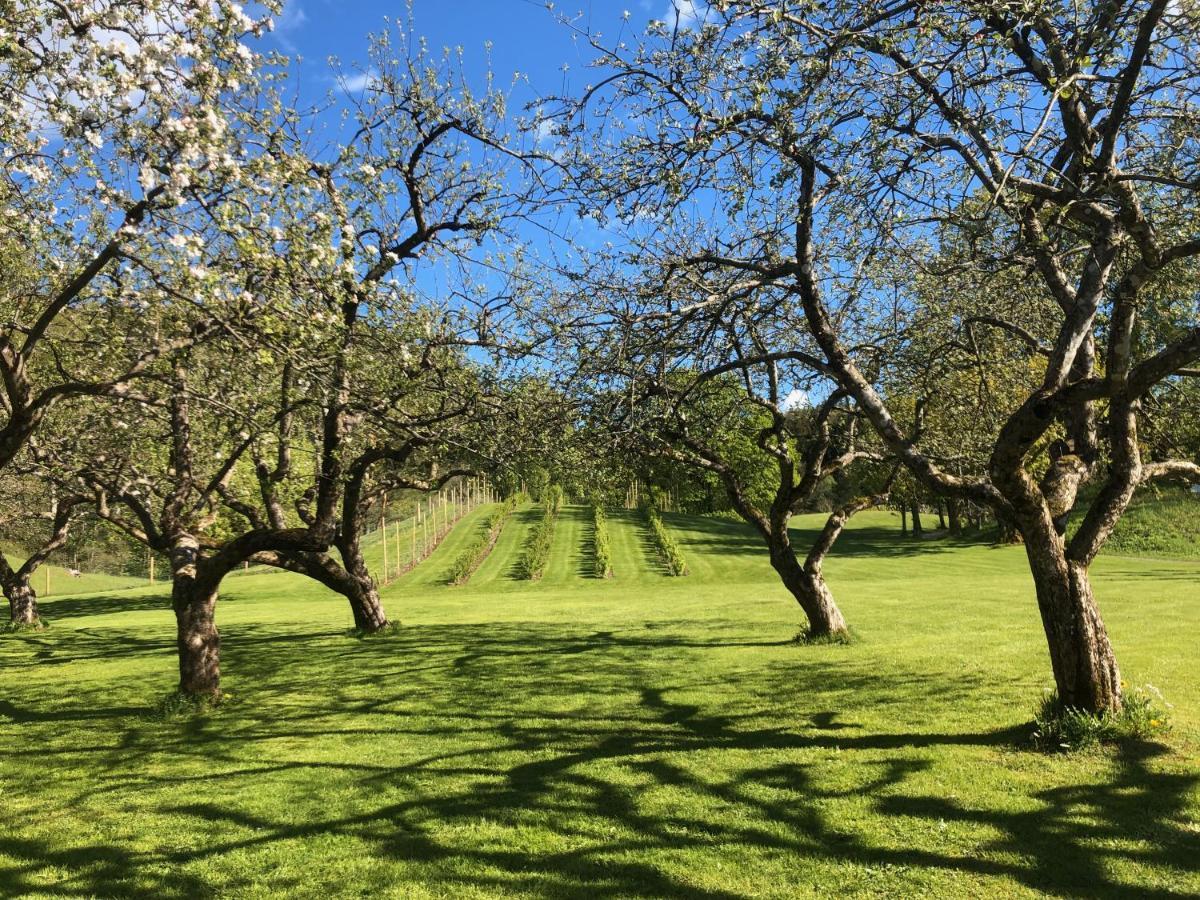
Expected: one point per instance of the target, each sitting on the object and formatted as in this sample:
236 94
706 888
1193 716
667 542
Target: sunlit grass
639 736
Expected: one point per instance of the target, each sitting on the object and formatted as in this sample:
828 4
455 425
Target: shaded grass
635 737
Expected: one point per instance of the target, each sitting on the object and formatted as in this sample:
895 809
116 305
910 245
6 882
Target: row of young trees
846 253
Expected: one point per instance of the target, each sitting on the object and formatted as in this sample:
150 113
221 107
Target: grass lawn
644 736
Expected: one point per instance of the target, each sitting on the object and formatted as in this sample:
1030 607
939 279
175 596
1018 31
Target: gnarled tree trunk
194 600
1085 667
810 591
22 603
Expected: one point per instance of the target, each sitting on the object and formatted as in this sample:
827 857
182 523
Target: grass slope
636 737
1161 521
64 584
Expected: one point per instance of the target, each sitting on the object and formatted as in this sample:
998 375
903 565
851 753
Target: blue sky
524 36
523 33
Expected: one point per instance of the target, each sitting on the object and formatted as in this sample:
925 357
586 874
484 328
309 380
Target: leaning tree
417 427
679 376
395 241
831 142
159 466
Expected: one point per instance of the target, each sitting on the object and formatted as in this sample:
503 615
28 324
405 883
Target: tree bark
810 591
1009 533
22 604
366 607
361 590
917 528
358 587
903 520
195 601
1085 667
1081 656
952 511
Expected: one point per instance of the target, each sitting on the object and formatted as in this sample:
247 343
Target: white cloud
797 399
690 13
291 19
359 81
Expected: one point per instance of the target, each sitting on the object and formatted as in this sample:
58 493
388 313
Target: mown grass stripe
567 561
499 567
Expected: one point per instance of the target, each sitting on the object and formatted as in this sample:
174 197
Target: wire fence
408 540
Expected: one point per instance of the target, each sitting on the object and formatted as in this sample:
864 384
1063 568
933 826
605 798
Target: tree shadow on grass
104 605
506 782
1074 834
572 767
95 869
1063 845
714 534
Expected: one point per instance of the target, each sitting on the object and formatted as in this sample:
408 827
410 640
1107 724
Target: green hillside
1161 521
61 582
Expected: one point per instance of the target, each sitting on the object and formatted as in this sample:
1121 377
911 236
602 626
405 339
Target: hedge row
473 555
600 542
667 548
532 563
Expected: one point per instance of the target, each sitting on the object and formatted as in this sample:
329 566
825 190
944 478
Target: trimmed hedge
600 543
532 564
667 548
473 555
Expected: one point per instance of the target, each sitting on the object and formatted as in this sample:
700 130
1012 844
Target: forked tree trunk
199 643
811 592
22 604
1085 667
